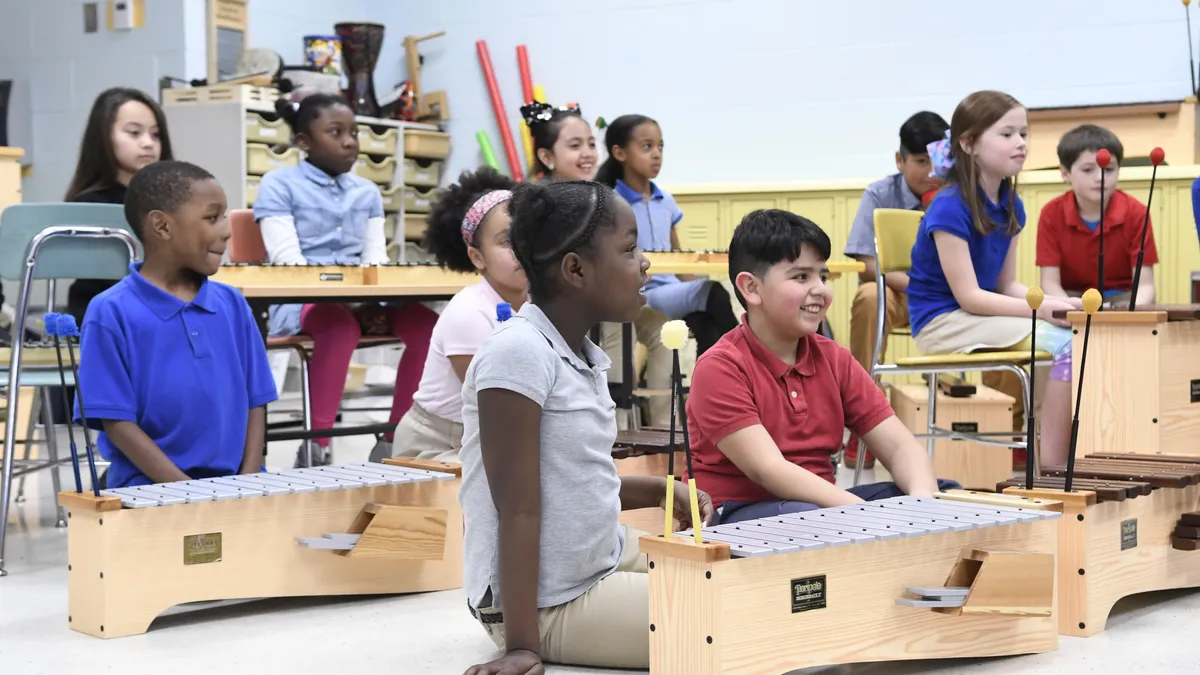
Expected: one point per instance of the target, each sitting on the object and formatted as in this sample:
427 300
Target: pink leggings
335 332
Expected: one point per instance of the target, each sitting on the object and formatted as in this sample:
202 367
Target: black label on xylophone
1195 391
199 549
965 427
1128 533
331 276
808 594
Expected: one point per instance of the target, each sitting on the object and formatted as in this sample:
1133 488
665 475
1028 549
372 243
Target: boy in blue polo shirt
173 369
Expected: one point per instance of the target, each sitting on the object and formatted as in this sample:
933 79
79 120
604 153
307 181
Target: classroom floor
430 633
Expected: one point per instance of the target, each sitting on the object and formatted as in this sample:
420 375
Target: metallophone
352 529
1127 523
964 575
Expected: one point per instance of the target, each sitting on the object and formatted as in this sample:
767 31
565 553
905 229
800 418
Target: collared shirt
187 373
656 218
886 193
581 537
461 328
929 293
804 407
330 213
1065 241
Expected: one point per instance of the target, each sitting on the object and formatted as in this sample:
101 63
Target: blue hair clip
67 326
50 321
941 155
503 312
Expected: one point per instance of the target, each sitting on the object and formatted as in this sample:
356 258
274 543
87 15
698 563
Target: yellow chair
895 234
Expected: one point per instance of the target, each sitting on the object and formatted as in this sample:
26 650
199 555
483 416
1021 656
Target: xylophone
964 575
334 530
1120 533
241 275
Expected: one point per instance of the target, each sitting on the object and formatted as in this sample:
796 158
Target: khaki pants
646 330
603 628
424 436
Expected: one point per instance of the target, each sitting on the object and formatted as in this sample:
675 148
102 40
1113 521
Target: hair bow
536 112
941 155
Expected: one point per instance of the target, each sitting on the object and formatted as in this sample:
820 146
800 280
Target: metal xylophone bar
865 522
315 479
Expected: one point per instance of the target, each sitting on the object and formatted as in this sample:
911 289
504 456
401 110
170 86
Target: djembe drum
361 44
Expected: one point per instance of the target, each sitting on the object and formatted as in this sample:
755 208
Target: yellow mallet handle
697 524
669 523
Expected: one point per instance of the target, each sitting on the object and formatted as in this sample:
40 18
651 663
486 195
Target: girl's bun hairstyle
443 236
553 219
301 115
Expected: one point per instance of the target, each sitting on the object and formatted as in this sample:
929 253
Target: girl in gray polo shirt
549 571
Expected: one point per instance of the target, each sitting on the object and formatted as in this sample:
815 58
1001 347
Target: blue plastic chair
47 242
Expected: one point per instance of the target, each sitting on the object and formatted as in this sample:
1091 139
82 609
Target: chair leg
931 417
859 461
30 433
305 405
52 452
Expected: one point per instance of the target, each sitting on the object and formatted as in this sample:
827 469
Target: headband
478 210
941 155
536 112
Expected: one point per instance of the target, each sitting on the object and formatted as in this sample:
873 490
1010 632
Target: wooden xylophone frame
127 565
712 614
1115 539
392 274
1143 383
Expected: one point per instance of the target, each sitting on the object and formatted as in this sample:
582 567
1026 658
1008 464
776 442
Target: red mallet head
1157 156
1103 158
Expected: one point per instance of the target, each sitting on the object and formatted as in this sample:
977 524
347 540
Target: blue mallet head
50 321
67 326
503 312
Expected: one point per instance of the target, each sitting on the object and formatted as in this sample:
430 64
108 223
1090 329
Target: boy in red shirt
1068 241
769 402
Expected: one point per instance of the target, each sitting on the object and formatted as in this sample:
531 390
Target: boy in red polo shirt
769 402
1068 241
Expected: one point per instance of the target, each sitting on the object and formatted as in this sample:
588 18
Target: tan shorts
425 436
961 332
607 627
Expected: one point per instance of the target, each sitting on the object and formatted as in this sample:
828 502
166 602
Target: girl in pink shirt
468 232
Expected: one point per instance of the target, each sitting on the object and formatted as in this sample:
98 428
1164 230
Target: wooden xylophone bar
391 274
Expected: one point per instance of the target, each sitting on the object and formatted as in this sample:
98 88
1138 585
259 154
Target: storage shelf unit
234 133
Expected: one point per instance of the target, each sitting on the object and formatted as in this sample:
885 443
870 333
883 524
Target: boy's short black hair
769 236
919 131
161 186
1088 138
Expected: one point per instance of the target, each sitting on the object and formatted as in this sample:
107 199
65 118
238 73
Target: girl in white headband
468 232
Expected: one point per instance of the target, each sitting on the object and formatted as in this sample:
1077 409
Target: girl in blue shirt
635 147
963 293
319 213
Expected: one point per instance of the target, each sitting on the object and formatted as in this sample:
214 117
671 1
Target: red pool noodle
510 150
526 76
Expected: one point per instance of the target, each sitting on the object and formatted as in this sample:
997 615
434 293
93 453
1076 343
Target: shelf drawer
418 200
377 143
261 130
260 159
415 225
426 144
252 185
380 172
422 172
391 199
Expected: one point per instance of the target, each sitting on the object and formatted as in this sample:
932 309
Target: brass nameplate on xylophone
1121 531
353 529
965 575
406 274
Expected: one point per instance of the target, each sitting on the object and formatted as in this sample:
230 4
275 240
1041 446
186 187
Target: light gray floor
429 633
